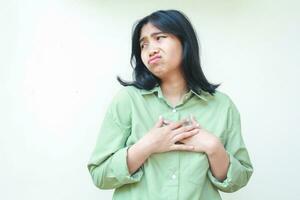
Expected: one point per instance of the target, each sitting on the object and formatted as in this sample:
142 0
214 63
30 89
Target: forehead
148 29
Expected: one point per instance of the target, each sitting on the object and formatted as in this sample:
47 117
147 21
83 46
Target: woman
169 134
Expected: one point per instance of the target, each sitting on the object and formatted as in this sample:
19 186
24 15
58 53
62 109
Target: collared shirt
173 175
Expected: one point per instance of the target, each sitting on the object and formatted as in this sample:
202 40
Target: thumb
159 123
194 121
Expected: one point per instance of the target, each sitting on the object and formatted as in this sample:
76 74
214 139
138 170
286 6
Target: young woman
169 134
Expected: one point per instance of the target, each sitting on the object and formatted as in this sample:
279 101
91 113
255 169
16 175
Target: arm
108 162
218 160
137 155
240 168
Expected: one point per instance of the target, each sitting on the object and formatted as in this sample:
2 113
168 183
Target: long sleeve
240 168
108 162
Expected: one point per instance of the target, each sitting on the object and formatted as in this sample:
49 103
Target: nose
153 51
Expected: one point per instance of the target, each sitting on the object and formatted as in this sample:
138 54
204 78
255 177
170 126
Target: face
161 52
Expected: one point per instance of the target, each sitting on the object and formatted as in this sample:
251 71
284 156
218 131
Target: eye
160 36
143 45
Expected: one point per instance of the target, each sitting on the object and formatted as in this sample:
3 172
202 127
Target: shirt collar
157 89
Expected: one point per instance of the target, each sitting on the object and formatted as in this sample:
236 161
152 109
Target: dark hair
176 23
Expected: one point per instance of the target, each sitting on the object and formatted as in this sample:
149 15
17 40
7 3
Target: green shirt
174 175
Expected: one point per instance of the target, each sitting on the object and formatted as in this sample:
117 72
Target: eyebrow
152 34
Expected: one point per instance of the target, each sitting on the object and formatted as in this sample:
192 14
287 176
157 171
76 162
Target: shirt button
174 110
173 176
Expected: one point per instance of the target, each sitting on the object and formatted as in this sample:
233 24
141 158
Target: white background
58 67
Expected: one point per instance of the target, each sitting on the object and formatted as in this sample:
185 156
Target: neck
174 87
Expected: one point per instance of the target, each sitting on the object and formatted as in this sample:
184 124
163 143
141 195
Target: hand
163 138
203 141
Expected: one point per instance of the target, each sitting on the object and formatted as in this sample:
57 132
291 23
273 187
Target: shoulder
132 90
129 94
120 99
223 100
120 107
125 94
219 97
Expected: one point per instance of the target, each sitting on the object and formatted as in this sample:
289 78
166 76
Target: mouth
154 59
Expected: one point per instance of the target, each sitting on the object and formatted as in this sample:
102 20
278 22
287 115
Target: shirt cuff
233 171
120 168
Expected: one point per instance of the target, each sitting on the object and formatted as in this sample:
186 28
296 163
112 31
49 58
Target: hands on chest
186 135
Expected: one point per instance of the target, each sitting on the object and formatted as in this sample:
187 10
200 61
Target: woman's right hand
163 138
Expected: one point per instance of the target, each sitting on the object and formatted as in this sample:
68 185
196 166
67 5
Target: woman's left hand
204 141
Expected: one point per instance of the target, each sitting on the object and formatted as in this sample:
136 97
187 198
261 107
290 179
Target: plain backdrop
58 65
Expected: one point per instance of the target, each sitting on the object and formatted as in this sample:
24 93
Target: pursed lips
154 58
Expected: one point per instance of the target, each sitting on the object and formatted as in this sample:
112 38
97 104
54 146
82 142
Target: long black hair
176 23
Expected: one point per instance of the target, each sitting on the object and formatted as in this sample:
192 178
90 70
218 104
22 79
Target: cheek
175 55
177 50
144 57
173 48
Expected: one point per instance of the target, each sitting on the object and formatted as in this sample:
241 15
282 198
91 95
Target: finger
182 147
183 129
166 122
159 123
184 135
188 121
175 125
183 141
195 122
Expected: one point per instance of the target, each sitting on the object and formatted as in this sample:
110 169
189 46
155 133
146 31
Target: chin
160 75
